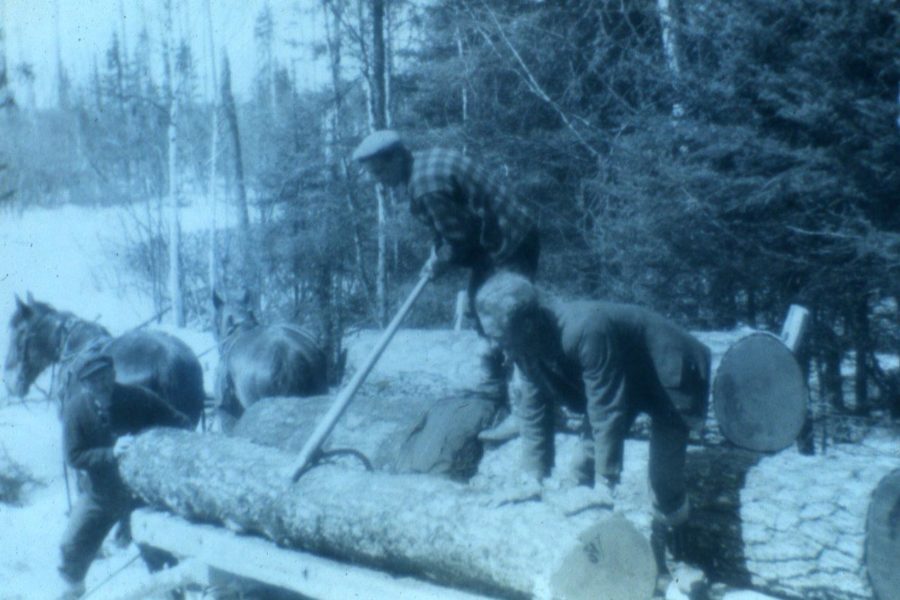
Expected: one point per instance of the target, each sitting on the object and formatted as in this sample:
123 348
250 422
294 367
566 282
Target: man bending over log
609 362
99 418
475 223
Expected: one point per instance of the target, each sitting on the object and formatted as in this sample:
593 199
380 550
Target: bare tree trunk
6 97
861 343
338 170
667 10
464 88
831 385
213 155
333 18
175 275
246 268
7 191
379 121
374 79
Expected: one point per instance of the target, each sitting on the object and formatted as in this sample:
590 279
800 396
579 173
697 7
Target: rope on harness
111 576
323 456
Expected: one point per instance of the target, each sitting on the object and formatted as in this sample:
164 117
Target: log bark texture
421 525
396 430
789 525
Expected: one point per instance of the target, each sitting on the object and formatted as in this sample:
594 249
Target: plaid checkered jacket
466 208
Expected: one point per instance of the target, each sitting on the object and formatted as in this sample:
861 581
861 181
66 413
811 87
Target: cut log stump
417 525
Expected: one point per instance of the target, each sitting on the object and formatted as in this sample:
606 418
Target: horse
259 361
41 336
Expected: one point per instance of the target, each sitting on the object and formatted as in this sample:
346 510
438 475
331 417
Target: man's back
468 207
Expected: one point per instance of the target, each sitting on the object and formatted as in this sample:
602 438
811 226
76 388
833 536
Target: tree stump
409 524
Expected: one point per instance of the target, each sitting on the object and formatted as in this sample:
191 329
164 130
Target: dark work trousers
495 370
93 516
602 445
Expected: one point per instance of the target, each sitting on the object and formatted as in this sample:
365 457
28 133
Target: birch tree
379 120
667 10
176 277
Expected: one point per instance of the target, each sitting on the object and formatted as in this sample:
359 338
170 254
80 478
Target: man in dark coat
474 221
99 419
609 362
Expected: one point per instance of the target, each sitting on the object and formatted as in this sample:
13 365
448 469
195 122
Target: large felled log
397 430
421 525
789 525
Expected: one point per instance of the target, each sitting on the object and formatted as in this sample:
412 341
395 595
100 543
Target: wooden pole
796 325
346 395
261 560
459 313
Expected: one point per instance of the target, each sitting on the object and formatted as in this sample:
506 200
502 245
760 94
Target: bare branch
529 78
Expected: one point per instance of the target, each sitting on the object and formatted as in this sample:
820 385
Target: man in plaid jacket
475 222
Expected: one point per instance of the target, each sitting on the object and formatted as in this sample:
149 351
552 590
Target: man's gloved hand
524 488
122 445
438 262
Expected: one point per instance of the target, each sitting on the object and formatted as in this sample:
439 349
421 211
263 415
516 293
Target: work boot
680 580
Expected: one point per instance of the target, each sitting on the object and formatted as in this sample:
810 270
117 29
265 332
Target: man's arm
79 449
455 239
606 403
535 426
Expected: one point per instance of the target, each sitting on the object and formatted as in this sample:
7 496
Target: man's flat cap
93 364
376 143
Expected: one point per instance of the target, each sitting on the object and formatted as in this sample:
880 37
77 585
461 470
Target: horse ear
29 297
22 307
217 300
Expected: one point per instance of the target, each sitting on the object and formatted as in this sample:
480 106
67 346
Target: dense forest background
716 160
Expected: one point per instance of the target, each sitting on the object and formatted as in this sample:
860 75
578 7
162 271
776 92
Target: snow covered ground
66 257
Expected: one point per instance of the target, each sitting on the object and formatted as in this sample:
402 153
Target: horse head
33 345
230 316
